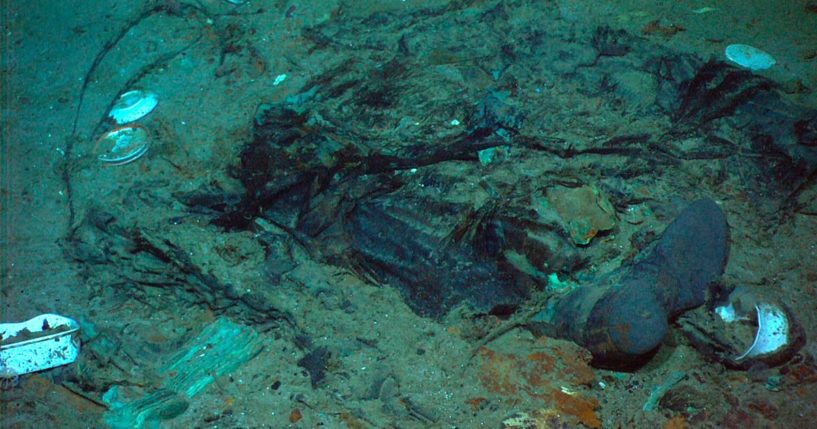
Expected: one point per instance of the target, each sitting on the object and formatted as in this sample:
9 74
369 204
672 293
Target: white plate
132 106
122 145
750 57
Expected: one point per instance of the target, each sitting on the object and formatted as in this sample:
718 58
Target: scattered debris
658 392
658 27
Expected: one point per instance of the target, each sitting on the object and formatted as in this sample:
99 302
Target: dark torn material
315 363
778 131
400 248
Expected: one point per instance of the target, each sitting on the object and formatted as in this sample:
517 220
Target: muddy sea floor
295 144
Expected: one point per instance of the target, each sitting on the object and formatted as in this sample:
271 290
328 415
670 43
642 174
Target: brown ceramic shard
584 211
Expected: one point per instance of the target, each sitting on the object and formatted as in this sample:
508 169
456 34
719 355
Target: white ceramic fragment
750 57
47 341
132 106
772 332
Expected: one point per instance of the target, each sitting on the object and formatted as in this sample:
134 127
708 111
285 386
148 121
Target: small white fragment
567 390
727 313
455 122
278 79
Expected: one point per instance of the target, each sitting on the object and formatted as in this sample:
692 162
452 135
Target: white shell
132 106
39 353
750 57
122 145
772 332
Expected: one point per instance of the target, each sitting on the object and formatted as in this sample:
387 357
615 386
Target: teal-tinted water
399 214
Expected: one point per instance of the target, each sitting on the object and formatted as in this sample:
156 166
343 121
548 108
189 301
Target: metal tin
132 106
44 342
122 145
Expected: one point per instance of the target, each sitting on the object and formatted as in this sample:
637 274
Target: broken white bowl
772 334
